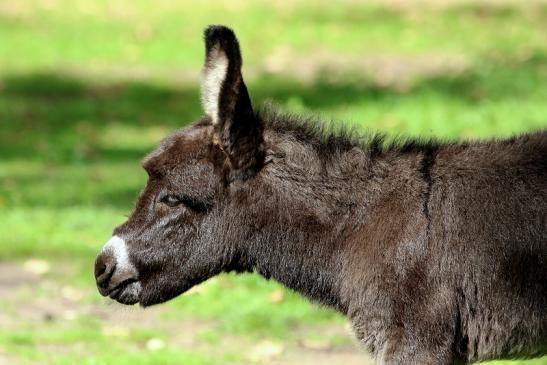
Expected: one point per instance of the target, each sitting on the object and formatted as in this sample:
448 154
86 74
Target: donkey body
437 253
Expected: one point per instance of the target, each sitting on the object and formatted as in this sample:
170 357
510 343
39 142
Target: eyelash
175 200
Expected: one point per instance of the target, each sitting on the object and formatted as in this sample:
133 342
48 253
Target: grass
87 88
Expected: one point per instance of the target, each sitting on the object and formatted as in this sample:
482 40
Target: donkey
436 252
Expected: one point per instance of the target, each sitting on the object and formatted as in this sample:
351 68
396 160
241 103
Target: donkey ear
226 100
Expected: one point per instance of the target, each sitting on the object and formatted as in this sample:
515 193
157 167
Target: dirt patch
385 70
13 275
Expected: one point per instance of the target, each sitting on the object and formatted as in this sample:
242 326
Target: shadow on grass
67 121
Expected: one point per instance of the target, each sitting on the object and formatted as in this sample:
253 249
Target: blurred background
88 87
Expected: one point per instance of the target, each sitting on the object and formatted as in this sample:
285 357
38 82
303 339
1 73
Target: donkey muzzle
116 277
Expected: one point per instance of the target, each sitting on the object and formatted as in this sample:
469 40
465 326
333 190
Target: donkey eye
193 204
171 200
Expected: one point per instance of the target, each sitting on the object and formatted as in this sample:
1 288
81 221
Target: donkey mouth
126 292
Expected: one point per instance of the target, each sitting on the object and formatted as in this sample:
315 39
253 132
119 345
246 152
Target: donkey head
182 230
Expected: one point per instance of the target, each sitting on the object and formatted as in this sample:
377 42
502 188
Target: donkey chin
116 277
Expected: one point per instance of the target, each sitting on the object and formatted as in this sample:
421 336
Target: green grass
87 88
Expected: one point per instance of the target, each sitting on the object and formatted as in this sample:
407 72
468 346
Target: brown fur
437 253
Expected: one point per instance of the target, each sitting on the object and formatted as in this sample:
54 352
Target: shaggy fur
436 252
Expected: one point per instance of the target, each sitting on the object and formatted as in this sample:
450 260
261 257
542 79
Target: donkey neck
304 224
313 219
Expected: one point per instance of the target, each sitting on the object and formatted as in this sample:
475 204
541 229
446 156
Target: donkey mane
329 137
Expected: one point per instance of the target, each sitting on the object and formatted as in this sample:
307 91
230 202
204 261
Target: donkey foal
437 253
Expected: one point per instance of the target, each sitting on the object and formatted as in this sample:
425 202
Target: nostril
100 268
104 269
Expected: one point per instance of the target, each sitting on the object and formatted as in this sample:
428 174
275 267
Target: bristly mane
334 136
331 136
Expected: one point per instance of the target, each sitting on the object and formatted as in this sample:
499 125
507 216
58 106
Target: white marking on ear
119 249
214 75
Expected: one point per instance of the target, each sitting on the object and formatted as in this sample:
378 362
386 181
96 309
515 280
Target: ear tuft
219 36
